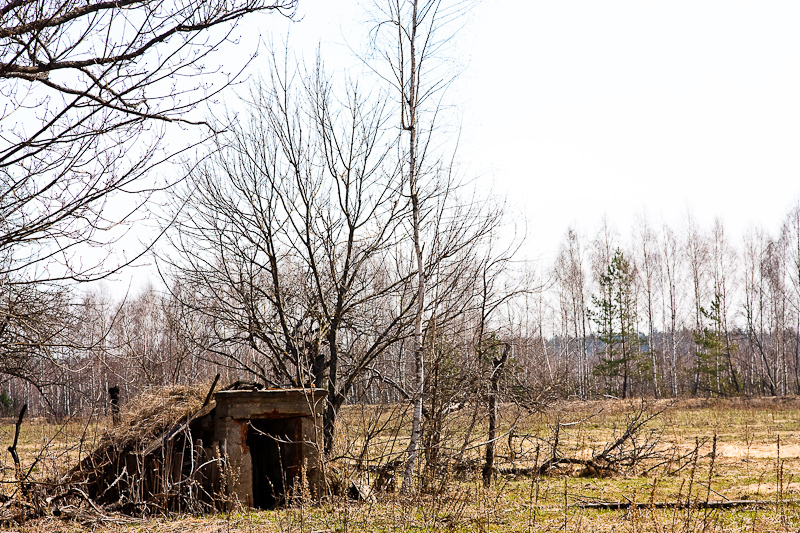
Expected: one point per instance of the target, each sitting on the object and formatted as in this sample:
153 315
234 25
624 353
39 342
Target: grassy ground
757 456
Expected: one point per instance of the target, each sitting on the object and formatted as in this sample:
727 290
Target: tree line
671 312
677 311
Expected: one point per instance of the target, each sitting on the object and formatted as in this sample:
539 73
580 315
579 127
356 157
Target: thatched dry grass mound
148 416
147 462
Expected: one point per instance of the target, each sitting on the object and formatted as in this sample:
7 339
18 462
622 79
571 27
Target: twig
99 510
575 423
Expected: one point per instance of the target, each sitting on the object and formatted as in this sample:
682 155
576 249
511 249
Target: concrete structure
269 439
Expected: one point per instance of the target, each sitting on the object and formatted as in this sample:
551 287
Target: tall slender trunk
797 357
670 262
698 329
584 351
796 283
674 365
652 333
729 355
410 103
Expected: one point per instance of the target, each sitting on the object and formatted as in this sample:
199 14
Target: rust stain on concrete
243 427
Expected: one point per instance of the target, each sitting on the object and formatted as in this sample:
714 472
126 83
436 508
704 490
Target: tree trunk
497 369
419 366
331 407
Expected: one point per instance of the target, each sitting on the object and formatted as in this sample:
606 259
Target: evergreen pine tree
615 315
713 357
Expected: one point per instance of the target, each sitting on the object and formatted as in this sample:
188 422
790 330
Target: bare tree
146 337
763 373
34 328
671 260
602 248
790 236
98 76
498 363
724 261
647 248
287 244
697 256
292 247
571 281
408 42
89 90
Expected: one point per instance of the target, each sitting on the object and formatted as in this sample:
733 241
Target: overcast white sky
576 109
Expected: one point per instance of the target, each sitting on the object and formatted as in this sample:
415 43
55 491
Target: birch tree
670 258
649 274
409 45
697 257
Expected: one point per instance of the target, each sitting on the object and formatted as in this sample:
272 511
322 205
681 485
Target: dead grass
152 413
757 457
50 448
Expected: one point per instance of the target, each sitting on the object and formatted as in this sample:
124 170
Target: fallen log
591 468
711 504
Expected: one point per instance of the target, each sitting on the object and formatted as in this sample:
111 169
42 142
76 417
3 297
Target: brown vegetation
708 489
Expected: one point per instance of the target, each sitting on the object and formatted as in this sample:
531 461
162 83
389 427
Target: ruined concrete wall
242 417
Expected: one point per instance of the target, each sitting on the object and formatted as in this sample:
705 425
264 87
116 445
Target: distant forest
669 312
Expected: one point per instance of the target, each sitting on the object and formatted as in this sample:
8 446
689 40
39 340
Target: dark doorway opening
276 452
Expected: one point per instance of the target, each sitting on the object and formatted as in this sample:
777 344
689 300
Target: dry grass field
707 451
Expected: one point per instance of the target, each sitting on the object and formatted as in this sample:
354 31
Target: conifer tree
713 356
615 315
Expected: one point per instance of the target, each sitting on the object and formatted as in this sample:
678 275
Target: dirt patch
758 451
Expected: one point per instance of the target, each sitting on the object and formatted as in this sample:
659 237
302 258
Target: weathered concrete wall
235 409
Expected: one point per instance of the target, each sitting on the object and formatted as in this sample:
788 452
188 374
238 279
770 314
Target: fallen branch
628 450
700 504
519 471
591 467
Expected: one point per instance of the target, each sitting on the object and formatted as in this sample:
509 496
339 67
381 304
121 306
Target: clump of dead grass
106 480
152 413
